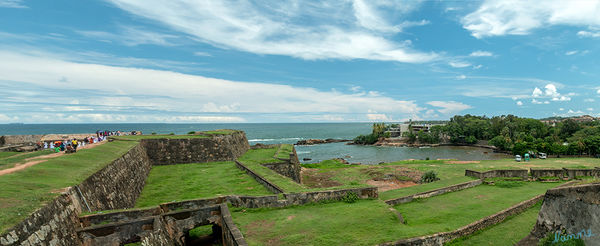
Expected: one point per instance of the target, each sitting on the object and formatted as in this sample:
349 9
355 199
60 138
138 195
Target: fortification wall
514 173
444 237
119 184
115 186
196 150
19 139
289 167
435 192
570 209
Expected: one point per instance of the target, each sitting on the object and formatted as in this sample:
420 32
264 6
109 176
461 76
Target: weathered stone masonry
196 150
117 186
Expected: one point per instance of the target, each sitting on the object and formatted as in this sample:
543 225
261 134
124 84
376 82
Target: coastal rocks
321 141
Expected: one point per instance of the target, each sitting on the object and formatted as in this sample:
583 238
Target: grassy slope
24 191
284 151
507 233
253 160
455 173
453 210
193 181
8 154
369 222
9 162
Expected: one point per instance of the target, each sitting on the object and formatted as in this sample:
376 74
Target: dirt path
39 159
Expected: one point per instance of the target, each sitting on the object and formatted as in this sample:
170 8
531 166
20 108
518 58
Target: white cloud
519 17
378 117
336 30
561 109
147 92
570 53
589 34
132 36
590 109
550 91
449 107
200 53
519 103
534 101
575 112
478 66
480 53
598 91
537 92
459 64
12 4
461 77
589 100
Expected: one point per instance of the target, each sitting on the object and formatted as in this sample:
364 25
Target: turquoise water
272 133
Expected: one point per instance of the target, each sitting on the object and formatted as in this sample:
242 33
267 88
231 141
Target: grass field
12 160
194 181
507 233
255 157
8 154
284 151
24 191
369 222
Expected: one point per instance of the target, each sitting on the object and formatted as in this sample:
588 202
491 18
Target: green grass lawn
8 154
255 157
285 150
10 161
194 181
369 222
456 209
507 233
25 191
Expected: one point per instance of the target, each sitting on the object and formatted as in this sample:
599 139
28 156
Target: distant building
402 128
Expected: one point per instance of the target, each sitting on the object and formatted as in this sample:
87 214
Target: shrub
429 177
549 240
153 133
192 132
350 197
171 133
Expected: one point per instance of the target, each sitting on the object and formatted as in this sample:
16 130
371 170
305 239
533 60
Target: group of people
71 145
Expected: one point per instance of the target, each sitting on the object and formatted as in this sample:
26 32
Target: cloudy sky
296 61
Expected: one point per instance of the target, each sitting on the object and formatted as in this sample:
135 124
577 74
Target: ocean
275 133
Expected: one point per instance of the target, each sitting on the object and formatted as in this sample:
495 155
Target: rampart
570 210
514 173
167 151
445 237
435 192
115 186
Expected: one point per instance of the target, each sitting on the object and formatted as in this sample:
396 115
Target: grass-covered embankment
507 233
11 160
255 157
195 181
369 222
25 191
8 154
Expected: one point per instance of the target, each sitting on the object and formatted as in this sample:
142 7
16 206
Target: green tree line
507 133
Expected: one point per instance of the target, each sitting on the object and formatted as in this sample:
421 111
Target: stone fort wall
117 186
196 150
570 210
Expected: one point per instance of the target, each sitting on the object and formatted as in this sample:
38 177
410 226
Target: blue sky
296 61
